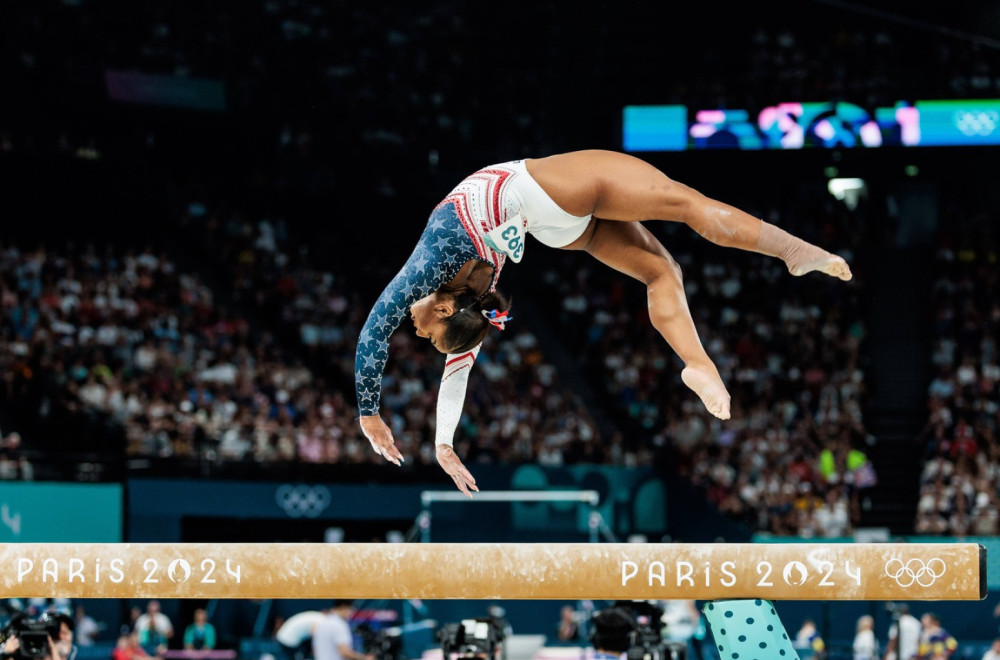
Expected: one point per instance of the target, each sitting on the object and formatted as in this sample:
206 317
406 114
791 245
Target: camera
473 638
33 634
381 644
636 629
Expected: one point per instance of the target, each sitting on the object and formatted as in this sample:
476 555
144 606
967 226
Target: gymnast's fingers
459 471
461 484
467 477
385 447
380 437
391 451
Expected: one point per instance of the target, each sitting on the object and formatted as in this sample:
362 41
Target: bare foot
830 264
705 382
799 256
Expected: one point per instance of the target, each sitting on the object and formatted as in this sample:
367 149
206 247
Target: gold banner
793 571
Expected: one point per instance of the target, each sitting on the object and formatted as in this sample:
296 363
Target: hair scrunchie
497 318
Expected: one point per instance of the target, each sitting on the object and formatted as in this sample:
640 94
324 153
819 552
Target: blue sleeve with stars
442 250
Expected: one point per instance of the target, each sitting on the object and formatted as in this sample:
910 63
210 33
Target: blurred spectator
87 629
154 629
332 637
200 634
832 517
808 642
295 633
569 628
935 642
128 648
134 613
865 645
993 653
13 464
904 635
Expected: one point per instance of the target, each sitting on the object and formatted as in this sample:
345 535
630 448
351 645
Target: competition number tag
509 238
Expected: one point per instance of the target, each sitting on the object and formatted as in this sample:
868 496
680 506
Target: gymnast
592 201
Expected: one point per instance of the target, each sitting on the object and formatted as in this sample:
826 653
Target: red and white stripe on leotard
480 202
456 364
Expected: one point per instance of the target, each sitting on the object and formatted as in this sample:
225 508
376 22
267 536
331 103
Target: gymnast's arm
451 398
418 277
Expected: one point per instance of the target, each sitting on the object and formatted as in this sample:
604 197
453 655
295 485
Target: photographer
611 633
642 624
50 636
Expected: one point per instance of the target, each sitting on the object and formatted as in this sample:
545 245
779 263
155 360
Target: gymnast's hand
452 464
381 438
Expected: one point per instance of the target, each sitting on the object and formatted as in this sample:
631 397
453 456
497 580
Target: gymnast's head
457 320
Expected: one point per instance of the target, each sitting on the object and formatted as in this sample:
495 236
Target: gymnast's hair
467 327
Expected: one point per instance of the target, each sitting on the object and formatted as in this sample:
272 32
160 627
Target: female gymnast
586 200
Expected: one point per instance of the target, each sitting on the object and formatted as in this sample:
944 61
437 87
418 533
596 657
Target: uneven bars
557 571
590 497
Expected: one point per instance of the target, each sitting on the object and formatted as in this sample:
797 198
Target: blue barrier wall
631 501
32 512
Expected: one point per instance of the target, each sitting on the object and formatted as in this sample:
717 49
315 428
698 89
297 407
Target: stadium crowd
791 461
257 364
516 411
960 481
129 337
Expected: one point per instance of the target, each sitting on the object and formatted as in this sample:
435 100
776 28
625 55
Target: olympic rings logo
302 501
915 571
976 123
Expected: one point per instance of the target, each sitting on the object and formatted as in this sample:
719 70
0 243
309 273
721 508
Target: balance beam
569 571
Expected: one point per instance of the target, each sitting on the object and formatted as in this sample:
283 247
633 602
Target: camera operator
332 638
611 633
645 634
23 638
474 638
385 644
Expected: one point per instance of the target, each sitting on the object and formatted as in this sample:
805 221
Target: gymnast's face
428 316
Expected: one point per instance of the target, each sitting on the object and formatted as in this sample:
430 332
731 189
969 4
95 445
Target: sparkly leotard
456 232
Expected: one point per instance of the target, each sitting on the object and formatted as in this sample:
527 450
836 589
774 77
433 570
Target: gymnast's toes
709 387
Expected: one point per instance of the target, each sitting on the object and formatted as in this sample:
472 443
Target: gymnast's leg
631 249
617 186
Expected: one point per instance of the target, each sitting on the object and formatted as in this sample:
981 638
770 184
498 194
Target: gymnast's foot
704 380
816 259
799 256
